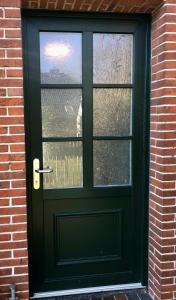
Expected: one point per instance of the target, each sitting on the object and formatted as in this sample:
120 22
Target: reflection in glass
112 58
112 112
61 112
65 158
61 57
112 163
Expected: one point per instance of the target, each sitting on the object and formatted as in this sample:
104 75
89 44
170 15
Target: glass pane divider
61 86
87 56
113 85
62 139
99 138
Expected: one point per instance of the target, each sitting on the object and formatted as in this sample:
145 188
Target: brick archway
13 238
120 6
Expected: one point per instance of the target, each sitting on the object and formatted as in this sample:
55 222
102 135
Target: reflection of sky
70 65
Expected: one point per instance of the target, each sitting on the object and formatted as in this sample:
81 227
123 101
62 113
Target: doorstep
129 295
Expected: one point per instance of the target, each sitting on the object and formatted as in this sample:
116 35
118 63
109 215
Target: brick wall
162 278
131 6
13 239
13 253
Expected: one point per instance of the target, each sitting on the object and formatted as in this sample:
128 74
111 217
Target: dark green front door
85 115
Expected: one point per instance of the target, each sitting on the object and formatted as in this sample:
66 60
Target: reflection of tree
65 158
55 76
62 117
112 58
60 108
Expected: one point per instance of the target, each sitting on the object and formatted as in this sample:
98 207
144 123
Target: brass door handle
46 170
37 171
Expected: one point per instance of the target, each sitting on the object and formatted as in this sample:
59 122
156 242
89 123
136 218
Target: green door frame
141 87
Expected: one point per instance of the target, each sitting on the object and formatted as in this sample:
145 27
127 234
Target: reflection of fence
67 172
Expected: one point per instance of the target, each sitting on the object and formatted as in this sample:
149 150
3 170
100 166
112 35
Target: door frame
145 21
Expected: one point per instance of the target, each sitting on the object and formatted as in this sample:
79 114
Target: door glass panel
112 58
112 112
61 57
112 163
61 112
65 158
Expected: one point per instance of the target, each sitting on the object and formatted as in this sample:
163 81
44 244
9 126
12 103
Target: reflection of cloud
57 50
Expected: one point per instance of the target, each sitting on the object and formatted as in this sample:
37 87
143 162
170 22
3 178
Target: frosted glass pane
61 57
61 112
112 163
65 158
112 58
112 112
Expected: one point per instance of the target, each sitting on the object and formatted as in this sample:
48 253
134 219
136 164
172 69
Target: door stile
34 96
87 73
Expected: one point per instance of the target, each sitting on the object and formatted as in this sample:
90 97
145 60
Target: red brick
3 148
17 148
20 253
14 72
5 254
20 236
12 138
13 227
16 130
12 193
2 73
20 270
14 53
2 92
4 237
4 166
10 63
13 245
4 202
4 185
10 280
1 36
11 101
16 111
4 220
5 272
10 3
13 210
12 175
12 13
18 166
19 201
19 184
15 92
10 43
11 82
10 23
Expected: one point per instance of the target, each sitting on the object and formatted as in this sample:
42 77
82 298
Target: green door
85 92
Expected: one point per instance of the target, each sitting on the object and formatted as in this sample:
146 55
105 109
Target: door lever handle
37 171
44 171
